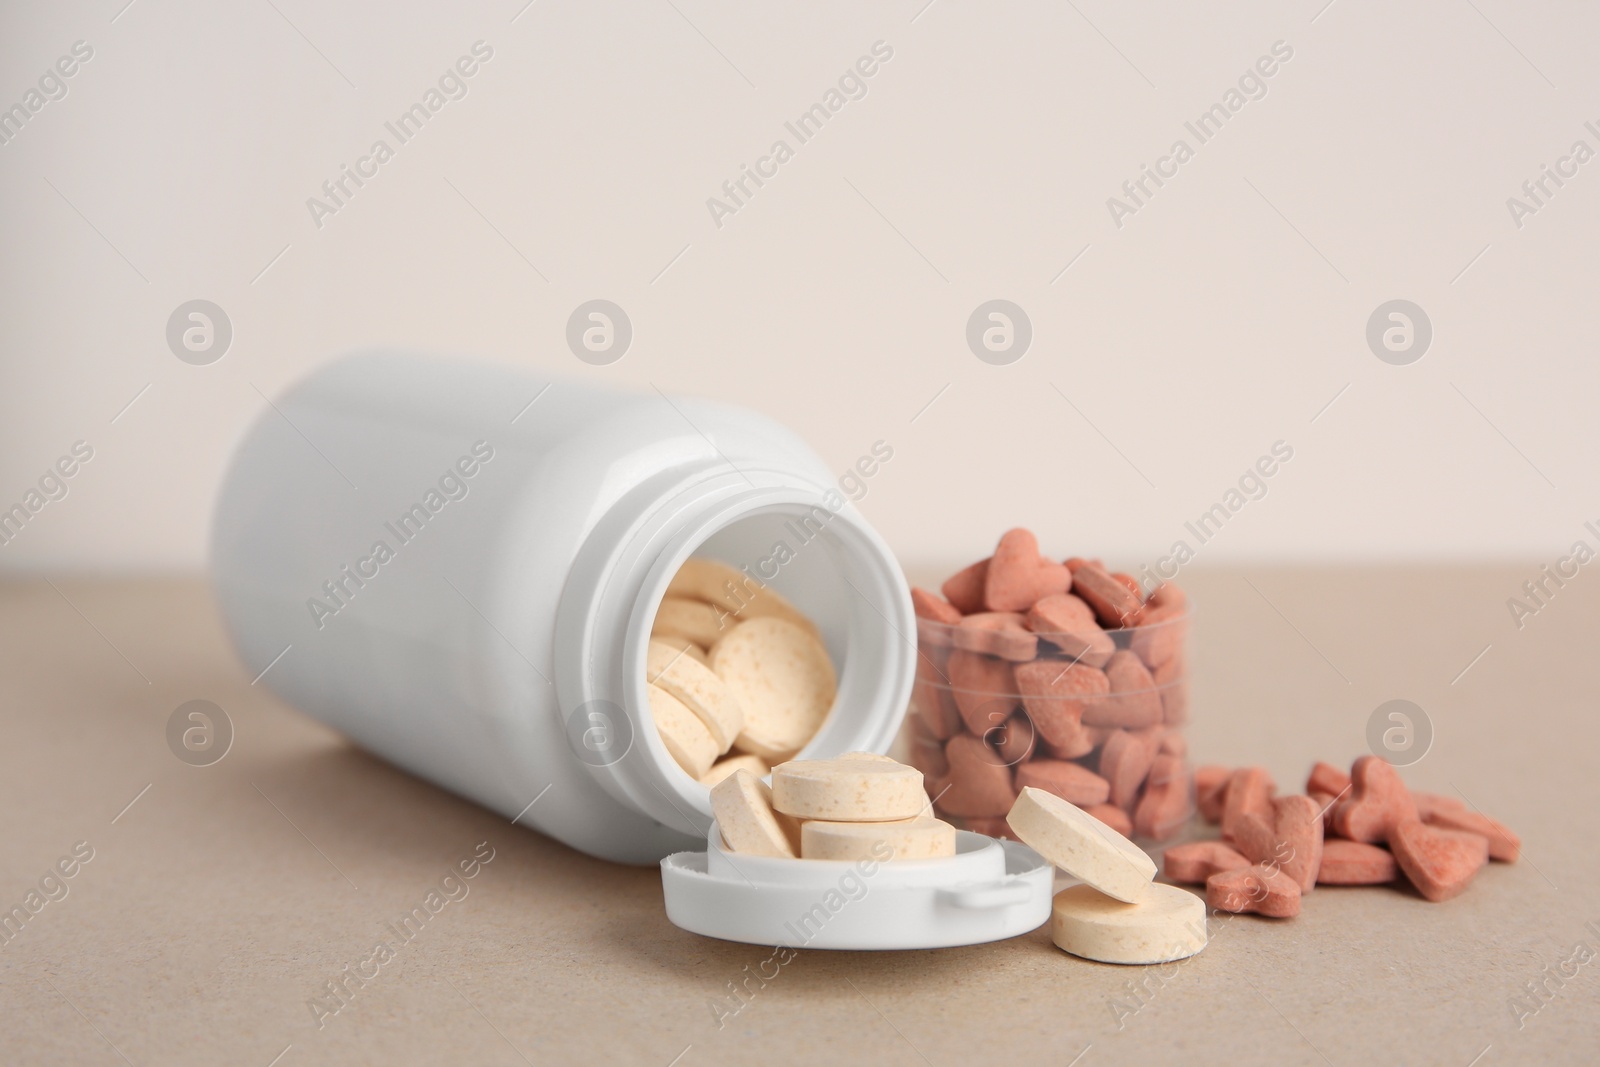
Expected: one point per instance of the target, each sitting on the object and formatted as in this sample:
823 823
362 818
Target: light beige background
1225 315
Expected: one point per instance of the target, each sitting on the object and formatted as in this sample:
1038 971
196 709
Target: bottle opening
837 573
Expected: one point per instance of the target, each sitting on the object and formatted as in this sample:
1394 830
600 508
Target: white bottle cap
989 890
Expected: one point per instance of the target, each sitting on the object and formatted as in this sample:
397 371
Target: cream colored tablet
694 620
688 647
922 838
724 767
700 690
1166 924
848 790
742 805
686 737
783 680
1081 845
734 591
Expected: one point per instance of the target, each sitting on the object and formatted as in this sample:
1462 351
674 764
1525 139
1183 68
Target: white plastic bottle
457 566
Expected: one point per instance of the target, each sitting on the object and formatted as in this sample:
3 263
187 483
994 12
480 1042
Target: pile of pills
1119 914
1061 677
1361 828
860 806
733 667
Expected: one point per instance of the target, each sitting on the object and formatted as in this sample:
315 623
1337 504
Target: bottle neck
778 529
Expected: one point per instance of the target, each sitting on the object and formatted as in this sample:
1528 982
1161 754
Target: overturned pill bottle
457 566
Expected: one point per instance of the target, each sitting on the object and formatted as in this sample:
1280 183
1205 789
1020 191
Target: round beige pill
922 838
1081 845
1166 924
693 620
741 594
742 805
698 687
783 680
724 767
686 737
848 790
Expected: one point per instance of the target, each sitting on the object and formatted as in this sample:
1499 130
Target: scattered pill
1429 803
1377 802
1197 861
1354 863
1262 889
1248 789
1290 836
1165 924
1438 862
1081 845
1504 846
1326 778
848 790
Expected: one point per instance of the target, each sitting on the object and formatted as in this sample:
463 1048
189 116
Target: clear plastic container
1096 718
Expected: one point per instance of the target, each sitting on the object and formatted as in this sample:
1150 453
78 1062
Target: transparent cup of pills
1095 716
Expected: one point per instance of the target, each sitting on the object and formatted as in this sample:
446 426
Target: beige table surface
225 896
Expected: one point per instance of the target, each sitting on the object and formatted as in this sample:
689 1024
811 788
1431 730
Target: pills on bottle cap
1081 845
742 805
848 790
698 687
687 739
783 680
921 838
1165 924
